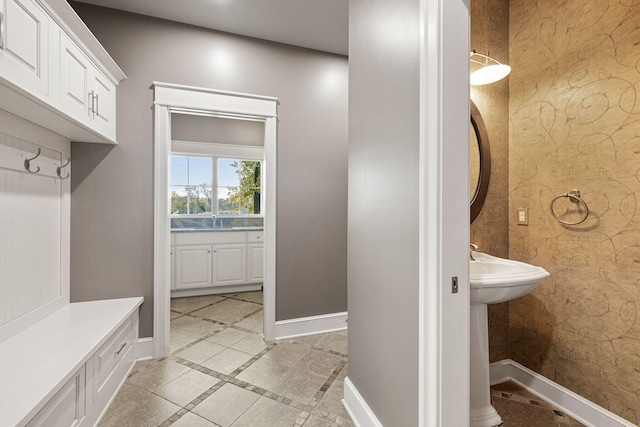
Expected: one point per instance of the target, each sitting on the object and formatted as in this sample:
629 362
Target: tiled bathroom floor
221 373
519 408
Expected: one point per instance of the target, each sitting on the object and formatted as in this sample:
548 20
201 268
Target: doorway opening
183 102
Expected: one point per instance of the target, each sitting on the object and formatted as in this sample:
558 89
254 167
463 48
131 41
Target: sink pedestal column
482 414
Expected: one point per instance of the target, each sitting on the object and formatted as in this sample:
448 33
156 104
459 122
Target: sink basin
495 280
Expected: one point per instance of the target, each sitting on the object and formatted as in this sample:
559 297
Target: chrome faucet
213 217
472 247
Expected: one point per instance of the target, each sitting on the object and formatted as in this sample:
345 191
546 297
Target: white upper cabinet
84 92
54 72
24 46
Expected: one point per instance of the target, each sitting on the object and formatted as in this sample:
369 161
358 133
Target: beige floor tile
189 304
315 421
517 414
186 387
158 375
268 413
201 351
192 420
343 373
227 361
134 406
173 315
253 323
225 405
333 342
228 311
228 336
332 400
193 327
287 353
309 340
180 340
298 385
263 373
319 362
253 296
319 419
252 344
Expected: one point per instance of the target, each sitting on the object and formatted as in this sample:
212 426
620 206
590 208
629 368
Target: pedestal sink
492 280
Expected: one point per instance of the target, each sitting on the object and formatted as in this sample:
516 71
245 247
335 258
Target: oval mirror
480 161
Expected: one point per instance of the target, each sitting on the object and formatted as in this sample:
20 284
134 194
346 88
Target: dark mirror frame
485 161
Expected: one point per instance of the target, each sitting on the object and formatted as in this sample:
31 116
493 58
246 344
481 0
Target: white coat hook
27 163
59 168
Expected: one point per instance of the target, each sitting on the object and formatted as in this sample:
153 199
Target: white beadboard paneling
34 225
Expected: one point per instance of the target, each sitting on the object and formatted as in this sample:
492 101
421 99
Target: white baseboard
180 293
144 349
574 405
311 325
359 411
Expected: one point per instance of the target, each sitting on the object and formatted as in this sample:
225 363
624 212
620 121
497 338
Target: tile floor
519 408
221 373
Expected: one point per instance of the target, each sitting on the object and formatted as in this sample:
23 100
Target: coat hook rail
27 162
574 196
59 168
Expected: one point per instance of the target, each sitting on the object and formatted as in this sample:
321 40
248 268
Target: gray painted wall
217 130
112 202
383 206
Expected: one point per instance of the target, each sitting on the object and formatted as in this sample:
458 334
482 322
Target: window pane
200 170
179 204
179 170
238 187
191 185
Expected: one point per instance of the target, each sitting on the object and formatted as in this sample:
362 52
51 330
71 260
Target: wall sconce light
490 70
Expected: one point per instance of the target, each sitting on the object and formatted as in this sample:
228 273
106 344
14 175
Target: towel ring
574 196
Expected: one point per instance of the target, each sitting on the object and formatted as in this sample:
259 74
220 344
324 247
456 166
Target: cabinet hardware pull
96 104
1 30
91 102
121 347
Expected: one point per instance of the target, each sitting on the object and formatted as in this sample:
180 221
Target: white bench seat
76 341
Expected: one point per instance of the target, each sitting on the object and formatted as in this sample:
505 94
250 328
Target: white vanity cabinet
215 259
54 72
193 266
230 264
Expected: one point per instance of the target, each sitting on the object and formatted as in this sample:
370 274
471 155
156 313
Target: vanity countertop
214 229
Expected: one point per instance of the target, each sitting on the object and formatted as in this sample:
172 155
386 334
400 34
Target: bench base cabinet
69 365
67 408
216 259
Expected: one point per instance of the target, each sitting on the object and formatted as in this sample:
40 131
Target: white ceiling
314 24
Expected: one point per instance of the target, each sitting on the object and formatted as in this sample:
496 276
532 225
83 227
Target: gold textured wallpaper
574 108
490 34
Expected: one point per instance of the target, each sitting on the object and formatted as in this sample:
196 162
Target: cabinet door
66 408
24 45
85 93
193 266
173 268
229 264
255 253
103 106
74 98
